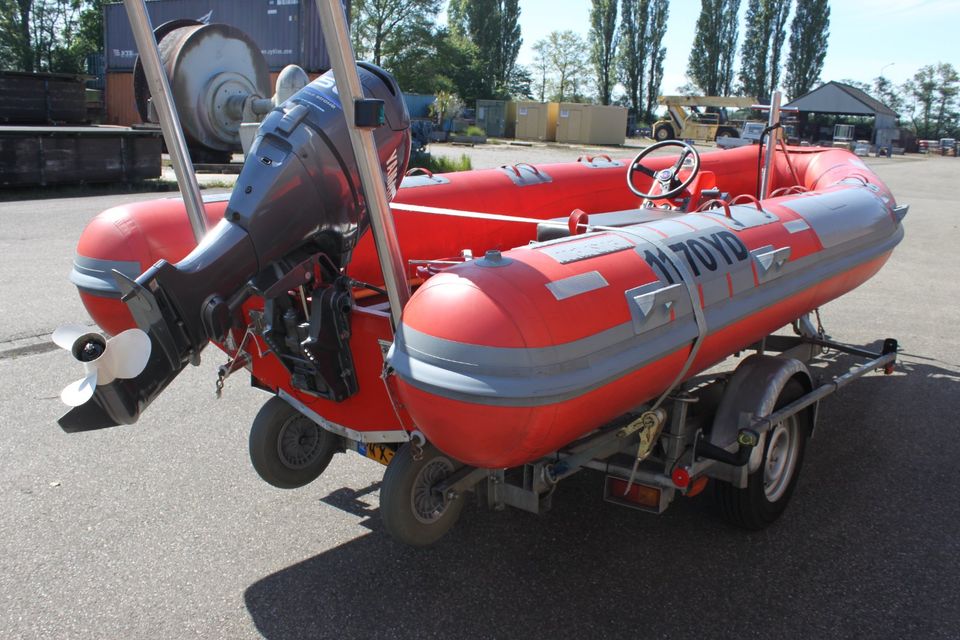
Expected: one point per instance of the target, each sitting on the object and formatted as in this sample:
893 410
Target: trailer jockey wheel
413 512
769 488
666 179
288 449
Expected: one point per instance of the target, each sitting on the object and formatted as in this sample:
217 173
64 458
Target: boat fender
752 392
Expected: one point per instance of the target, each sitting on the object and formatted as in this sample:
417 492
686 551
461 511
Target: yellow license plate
381 453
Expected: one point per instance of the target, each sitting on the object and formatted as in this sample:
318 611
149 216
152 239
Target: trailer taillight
638 495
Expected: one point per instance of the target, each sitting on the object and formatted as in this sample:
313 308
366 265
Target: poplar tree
762 47
603 45
809 33
633 50
494 27
710 65
656 28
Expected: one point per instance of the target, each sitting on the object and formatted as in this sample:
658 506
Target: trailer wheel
663 132
769 488
412 512
288 449
727 132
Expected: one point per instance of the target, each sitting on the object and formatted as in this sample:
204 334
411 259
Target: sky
866 36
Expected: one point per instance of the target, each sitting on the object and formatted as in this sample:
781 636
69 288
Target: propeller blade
127 354
77 393
65 336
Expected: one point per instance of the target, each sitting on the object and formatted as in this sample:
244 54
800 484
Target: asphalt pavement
163 530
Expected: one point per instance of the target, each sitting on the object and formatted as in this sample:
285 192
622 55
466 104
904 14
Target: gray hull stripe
95 276
541 376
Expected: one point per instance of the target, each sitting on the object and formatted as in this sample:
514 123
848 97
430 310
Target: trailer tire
288 449
727 132
663 132
769 488
411 513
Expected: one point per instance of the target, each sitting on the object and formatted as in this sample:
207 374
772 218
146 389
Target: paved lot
163 530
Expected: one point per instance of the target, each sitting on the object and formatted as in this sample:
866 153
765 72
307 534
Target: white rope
685 275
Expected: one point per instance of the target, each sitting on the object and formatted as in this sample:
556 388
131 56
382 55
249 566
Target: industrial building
832 102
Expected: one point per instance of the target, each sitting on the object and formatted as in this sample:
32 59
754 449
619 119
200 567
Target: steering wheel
666 179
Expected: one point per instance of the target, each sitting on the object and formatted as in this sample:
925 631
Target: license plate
381 453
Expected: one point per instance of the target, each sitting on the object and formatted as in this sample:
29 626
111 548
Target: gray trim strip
340 430
95 276
547 375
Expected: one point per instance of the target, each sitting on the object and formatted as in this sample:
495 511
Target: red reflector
680 477
639 494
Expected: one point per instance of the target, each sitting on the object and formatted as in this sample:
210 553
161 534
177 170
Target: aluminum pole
773 136
333 22
169 121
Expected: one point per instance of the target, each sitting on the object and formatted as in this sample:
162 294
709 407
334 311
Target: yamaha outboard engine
294 217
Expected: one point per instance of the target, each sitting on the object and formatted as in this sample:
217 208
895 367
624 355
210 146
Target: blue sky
865 35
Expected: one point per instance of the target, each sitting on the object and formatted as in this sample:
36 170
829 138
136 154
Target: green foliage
441 164
447 105
809 32
562 56
603 45
493 27
474 130
656 29
931 101
633 50
384 27
762 46
710 65
49 35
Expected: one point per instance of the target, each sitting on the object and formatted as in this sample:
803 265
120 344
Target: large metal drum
213 69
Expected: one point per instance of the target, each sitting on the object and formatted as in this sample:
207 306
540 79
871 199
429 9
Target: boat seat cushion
623 218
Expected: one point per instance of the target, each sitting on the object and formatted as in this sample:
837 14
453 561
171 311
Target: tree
16 46
633 50
933 92
541 66
715 41
567 64
809 32
494 27
762 45
887 93
388 25
603 45
656 28
778 36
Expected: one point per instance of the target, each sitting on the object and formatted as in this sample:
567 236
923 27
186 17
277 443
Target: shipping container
418 104
537 121
287 31
498 118
591 124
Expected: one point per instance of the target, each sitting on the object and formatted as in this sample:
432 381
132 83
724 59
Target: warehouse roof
842 99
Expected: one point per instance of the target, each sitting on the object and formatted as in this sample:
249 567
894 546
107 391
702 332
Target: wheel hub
428 505
299 442
781 459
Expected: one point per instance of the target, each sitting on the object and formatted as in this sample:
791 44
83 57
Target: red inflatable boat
562 326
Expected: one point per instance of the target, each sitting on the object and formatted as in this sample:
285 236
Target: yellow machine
688 117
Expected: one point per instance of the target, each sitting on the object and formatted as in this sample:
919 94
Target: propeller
123 356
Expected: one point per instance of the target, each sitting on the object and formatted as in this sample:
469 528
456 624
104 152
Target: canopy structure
839 99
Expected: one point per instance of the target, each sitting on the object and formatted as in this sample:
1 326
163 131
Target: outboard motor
294 217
